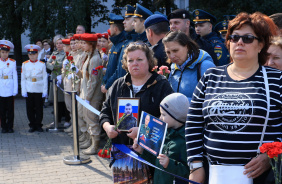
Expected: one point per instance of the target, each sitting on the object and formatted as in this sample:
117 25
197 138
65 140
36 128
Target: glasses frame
245 38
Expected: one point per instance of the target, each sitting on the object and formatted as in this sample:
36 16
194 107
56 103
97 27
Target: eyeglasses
246 38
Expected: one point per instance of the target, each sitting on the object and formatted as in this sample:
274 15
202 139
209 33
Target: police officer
117 38
8 86
157 26
203 26
180 20
34 87
140 15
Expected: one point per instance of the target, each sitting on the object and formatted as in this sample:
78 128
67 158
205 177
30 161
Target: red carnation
53 57
104 50
70 58
67 53
8 64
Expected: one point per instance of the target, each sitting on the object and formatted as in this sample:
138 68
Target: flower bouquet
274 151
163 70
105 152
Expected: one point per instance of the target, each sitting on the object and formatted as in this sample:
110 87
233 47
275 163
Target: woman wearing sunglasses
232 106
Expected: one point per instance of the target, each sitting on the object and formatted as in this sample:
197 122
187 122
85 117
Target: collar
4 60
46 50
118 38
183 65
33 61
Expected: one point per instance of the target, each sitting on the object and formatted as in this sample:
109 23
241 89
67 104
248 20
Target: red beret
99 35
72 38
89 37
66 41
105 35
77 36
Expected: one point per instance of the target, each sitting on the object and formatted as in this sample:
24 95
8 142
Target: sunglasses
245 38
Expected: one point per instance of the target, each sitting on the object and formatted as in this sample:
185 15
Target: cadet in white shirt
34 87
8 86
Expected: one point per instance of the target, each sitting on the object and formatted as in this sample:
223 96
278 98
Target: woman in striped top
229 105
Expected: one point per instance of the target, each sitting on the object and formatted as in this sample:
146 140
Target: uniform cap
221 26
32 48
179 14
154 19
89 37
66 41
6 45
115 19
142 12
229 17
157 12
105 35
176 105
129 11
201 16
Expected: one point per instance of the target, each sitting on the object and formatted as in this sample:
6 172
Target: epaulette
26 62
41 62
12 59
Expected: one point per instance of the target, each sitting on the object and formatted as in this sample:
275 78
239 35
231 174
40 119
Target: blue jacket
220 50
114 53
185 81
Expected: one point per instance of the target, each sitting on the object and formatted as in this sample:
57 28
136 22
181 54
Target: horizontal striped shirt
226 117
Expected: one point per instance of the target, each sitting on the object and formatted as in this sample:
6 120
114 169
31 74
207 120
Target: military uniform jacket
220 50
8 78
34 77
159 53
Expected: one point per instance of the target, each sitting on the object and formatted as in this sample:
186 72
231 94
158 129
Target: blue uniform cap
221 26
200 16
142 12
229 17
154 19
115 19
129 11
157 12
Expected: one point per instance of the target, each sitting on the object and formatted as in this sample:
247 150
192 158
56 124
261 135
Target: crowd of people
223 85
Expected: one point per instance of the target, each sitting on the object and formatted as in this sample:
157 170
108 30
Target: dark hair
119 26
152 61
183 40
160 28
277 19
259 25
128 104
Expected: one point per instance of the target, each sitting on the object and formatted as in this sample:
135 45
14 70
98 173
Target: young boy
8 86
34 87
174 109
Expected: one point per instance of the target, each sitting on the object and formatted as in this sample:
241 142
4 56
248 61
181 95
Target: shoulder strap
268 106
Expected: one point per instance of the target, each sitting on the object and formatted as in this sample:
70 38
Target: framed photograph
151 133
130 107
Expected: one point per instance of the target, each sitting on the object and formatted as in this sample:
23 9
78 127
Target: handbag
229 174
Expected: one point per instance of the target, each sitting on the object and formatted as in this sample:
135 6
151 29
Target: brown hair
259 25
152 61
182 39
93 44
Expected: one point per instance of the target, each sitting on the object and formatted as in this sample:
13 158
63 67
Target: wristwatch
195 165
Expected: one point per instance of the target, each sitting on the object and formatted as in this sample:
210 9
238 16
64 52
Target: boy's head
32 51
174 109
5 47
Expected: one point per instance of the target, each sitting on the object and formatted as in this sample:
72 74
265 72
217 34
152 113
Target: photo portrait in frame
130 107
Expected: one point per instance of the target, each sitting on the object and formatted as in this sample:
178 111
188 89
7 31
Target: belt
7 77
34 79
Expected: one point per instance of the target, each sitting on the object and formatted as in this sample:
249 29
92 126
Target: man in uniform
130 121
222 26
8 85
157 26
203 26
140 15
145 129
180 20
117 38
34 87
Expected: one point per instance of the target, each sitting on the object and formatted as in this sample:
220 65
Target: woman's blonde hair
277 41
152 61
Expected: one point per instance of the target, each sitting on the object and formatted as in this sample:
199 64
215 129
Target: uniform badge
218 51
184 16
197 12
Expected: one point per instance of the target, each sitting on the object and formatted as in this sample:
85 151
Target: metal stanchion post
56 127
76 158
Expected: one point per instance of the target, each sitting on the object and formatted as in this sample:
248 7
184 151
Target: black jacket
151 94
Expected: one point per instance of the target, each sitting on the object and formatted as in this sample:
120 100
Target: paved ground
38 157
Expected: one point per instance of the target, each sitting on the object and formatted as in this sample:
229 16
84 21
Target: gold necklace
236 75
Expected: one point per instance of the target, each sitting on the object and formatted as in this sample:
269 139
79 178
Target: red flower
155 68
70 58
104 50
8 64
53 57
67 53
272 149
104 153
99 67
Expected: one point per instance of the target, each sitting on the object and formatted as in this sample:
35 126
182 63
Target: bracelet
195 170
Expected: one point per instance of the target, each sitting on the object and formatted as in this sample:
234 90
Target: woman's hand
164 160
132 133
103 89
137 147
257 166
110 130
198 175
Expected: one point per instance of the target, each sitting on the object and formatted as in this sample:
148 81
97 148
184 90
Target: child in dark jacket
174 109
